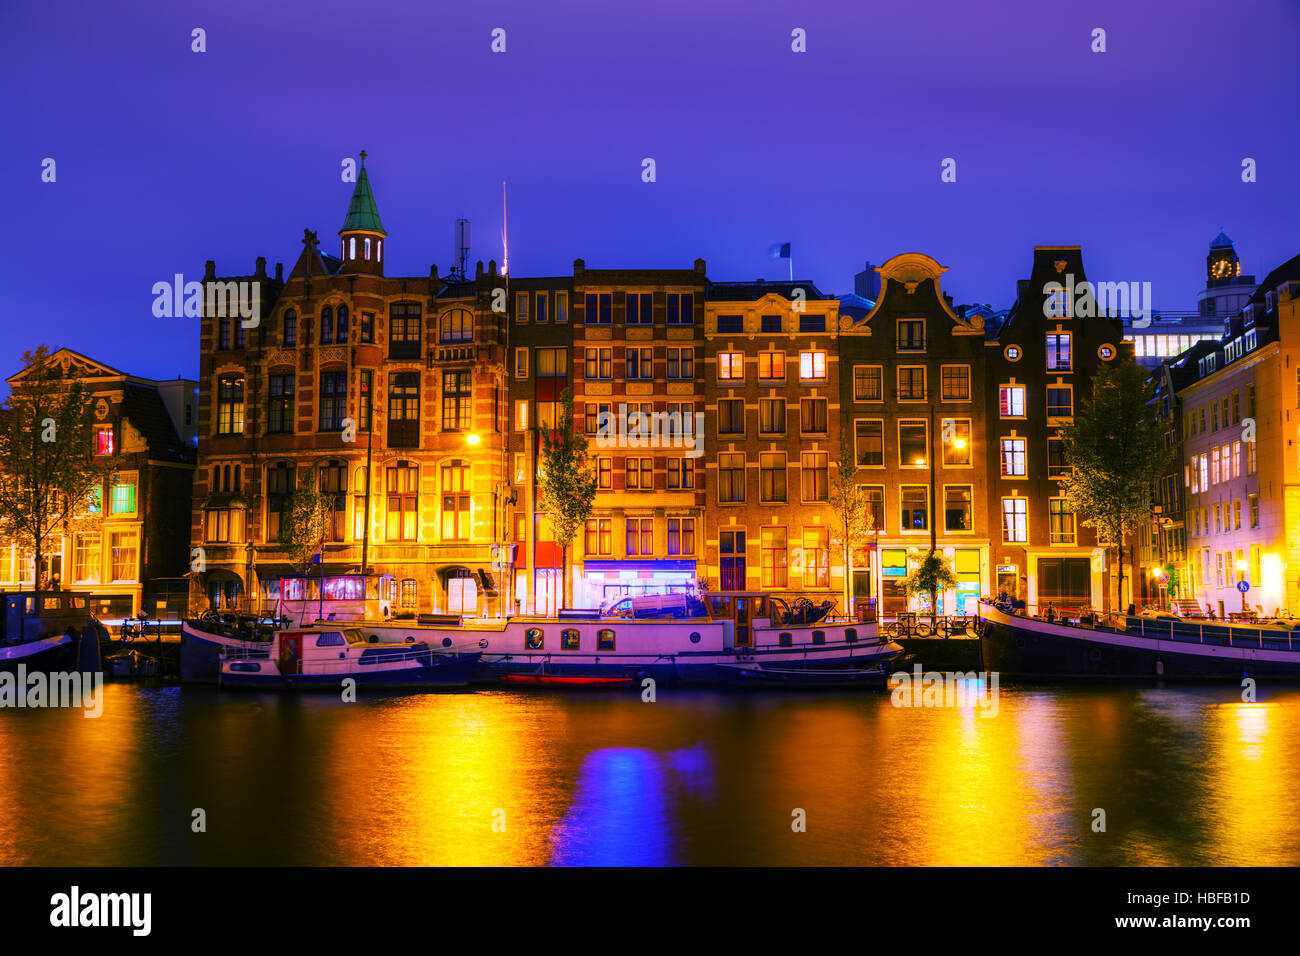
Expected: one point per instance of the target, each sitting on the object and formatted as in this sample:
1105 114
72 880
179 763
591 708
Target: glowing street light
472 439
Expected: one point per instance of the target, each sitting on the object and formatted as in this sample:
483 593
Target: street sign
1243 586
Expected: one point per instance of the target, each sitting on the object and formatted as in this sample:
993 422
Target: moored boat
1135 648
206 640
322 658
49 631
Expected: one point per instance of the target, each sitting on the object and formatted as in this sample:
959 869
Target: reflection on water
1188 776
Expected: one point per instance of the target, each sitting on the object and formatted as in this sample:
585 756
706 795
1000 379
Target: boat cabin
32 615
336 597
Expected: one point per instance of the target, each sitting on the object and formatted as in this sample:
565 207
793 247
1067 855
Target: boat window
354 636
78 602
721 607
695 637
786 640
569 639
851 634
50 603
330 639
819 637
604 639
533 638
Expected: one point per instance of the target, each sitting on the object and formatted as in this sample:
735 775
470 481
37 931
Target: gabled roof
72 364
363 214
1287 272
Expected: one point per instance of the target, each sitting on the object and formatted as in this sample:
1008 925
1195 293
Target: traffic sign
1243 586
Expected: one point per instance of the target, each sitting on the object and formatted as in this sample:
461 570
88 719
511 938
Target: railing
908 625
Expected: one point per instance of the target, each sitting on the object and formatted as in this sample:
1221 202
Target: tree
853 519
1117 453
931 576
47 463
306 523
567 483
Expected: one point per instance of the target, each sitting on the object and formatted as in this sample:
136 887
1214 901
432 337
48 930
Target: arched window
326 326
456 325
380 246
570 640
605 639
352 248
290 337
455 501
341 332
366 244
534 638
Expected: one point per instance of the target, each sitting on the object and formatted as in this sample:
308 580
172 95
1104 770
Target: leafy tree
853 519
1117 452
47 465
931 576
306 523
567 483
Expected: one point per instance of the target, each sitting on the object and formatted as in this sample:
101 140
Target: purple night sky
166 158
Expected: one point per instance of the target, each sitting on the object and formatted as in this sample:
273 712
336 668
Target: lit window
731 366
1015 520
104 441
1011 401
812 366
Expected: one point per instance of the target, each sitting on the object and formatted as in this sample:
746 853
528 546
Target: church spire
363 234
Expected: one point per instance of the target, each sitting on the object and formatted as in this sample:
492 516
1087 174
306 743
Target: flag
780 250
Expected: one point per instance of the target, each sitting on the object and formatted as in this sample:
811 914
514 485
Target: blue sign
1243 586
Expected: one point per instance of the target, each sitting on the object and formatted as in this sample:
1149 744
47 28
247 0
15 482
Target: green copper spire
363 215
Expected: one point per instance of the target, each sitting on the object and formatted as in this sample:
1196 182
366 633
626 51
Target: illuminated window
867 383
1060 521
812 366
773 558
1011 401
1013 457
869 442
104 440
1014 520
731 366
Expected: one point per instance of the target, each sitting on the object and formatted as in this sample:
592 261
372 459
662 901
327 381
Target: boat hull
47 655
444 673
201 653
752 675
1027 649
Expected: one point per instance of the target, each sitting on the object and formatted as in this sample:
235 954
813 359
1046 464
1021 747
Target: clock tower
1221 264
1226 289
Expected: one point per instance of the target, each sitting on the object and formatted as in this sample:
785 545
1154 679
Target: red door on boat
290 653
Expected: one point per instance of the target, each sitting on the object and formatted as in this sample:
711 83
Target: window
772 558
957 505
289 336
455 501
812 366
731 366
911 383
638 419
640 536
875 507
279 486
456 325
731 416
87 560
1060 521
681 473
771 366
639 364
955 383
360 506
731 323
681 363
812 416
327 326
1060 401
638 308
1013 457
333 484
1236 459
605 639
103 440
771 476
681 535
914 507
333 400
1252 508
911 335
521 306
913 443
367 326
771 416
599 364
816 557
731 477
521 363
1251 460
681 308
402 482
561 307
1011 401
598 537
867 383
534 639
124 547
639 474
230 405
770 323
404 409
1057 466
521 415
812 323
122 495
1014 520
604 472
341 332
599 308
869 442
404 330
1058 351
815 475
955 435
592 419
1057 305
541 307
570 640
279 419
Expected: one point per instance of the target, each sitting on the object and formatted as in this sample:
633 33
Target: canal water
1186 776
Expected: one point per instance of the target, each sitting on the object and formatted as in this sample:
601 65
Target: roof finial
363 157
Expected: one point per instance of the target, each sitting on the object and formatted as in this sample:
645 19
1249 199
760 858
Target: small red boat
561 680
